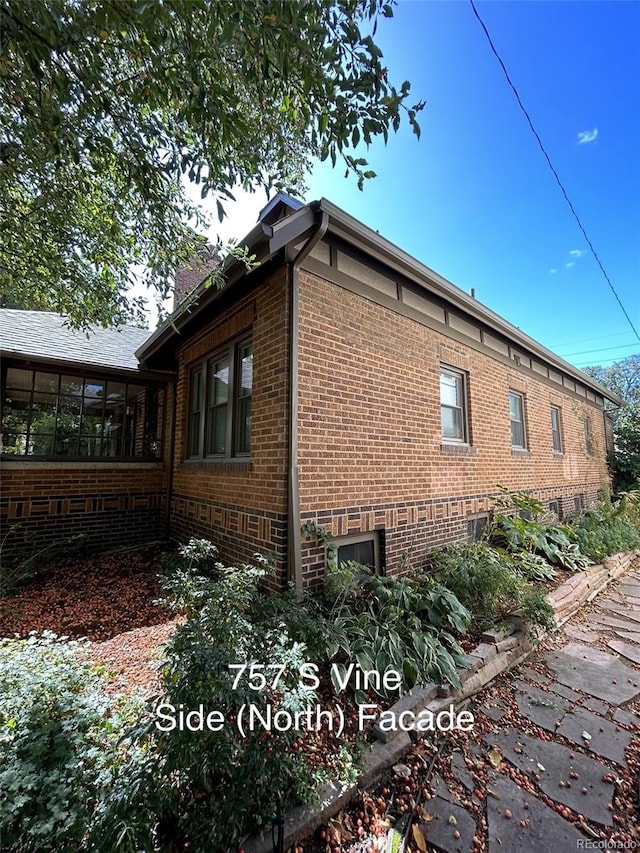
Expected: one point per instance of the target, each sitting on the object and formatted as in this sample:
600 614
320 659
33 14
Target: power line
602 349
588 340
555 174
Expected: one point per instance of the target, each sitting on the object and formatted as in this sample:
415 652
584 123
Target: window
363 548
554 507
219 416
516 414
453 413
579 502
64 415
588 439
476 527
556 429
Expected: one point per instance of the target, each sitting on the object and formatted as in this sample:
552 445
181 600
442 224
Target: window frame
142 433
462 377
556 430
232 353
517 395
333 549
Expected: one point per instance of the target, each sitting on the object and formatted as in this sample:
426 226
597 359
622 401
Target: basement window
363 548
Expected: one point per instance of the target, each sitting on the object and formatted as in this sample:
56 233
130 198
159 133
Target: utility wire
558 347
602 349
555 174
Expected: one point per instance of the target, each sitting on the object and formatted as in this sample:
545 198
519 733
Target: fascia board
345 226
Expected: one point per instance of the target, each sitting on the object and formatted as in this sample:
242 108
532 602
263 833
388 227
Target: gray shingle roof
43 335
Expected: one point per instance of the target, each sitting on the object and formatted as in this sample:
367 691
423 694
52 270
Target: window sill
25 462
558 454
451 447
239 464
520 451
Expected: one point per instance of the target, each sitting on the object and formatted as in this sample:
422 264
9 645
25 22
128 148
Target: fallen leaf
402 770
541 766
495 757
419 838
588 829
586 735
493 794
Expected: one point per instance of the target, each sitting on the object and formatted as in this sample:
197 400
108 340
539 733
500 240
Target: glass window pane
243 426
515 409
14 443
452 423
41 445
47 382
450 389
72 385
358 552
17 378
219 378
517 434
246 371
217 430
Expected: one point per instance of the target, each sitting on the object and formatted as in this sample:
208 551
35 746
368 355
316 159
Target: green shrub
211 788
488 584
58 743
534 545
402 625
609 528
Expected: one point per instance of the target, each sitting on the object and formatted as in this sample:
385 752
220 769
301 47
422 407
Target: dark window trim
230 351
90 375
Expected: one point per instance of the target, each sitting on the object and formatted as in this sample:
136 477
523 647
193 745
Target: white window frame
556 430
461 381
516 395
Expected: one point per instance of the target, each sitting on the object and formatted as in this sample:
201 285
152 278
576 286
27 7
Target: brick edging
499 651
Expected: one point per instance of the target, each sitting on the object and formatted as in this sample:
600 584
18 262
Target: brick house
339 382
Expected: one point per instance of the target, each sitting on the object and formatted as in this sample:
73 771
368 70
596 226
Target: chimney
194 272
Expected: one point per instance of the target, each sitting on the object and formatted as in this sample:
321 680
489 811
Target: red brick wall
240 505
370 450
113 504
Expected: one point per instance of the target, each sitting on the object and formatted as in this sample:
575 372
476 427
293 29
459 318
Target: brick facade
371 456
112 504
375 329
241 505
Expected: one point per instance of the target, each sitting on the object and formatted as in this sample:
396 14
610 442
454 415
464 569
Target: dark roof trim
265 241
57 365
257 241
353 231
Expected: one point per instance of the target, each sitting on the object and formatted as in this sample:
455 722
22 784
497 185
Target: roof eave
344 225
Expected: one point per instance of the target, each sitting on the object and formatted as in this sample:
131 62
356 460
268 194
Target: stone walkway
558 739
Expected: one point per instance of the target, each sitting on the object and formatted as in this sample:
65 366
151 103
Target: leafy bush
211 788
534 545
488 584
609 528
58 743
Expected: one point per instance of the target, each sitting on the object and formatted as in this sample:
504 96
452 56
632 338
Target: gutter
294 549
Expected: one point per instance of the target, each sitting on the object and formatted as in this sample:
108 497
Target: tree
623 378
107 106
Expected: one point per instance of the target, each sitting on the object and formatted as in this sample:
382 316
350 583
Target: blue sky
474 198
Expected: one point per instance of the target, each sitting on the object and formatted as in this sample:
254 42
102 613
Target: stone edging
498 652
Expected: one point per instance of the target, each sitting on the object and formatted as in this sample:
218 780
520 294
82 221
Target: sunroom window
67 415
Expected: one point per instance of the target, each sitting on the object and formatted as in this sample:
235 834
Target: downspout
294 550
171 455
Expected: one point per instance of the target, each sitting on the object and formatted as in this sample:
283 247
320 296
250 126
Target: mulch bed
108 599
